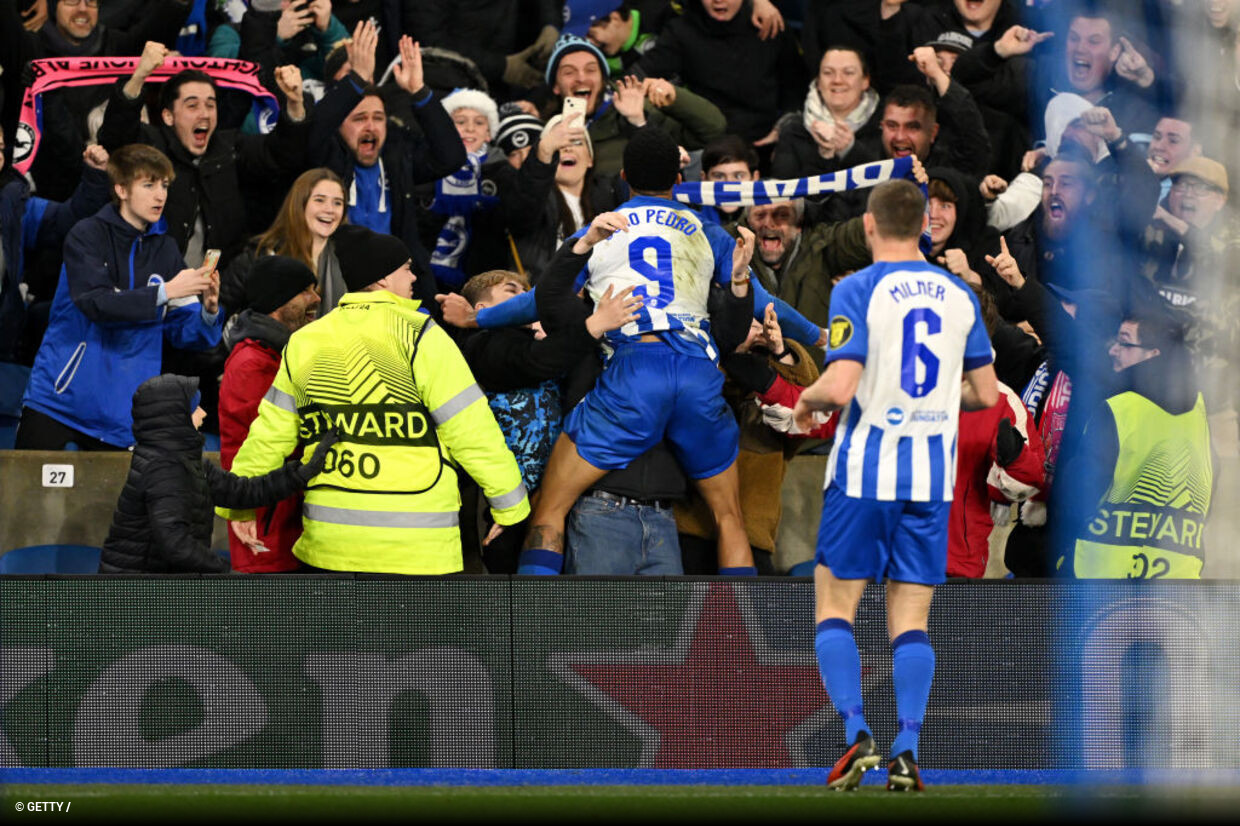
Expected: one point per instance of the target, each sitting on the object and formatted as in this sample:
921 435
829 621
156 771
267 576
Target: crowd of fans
1078 155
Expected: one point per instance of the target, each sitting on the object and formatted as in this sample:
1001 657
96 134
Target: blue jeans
605 537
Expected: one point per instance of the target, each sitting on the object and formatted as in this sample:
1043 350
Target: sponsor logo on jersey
841 332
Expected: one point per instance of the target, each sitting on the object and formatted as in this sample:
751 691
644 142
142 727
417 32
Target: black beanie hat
517 129
273 280
651 160
366 256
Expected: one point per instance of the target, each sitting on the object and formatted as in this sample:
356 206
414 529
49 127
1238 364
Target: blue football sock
912 670
539 562
839 662
805 568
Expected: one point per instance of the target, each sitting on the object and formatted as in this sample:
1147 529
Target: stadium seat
51 559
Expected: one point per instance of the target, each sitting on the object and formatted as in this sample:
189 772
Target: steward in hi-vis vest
1149 525
1145 470
398 392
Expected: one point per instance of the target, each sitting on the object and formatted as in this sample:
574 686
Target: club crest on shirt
841 332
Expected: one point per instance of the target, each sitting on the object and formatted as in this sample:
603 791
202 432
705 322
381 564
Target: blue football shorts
873 539
649 392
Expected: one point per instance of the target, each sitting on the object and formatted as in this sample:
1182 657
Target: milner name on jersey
916 328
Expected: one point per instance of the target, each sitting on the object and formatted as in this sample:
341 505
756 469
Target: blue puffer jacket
106 330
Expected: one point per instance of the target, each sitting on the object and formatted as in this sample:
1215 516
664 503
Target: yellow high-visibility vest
1150 522
404 402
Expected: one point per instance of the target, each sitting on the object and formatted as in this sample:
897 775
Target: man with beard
382 163
1067 229
281 297
797 263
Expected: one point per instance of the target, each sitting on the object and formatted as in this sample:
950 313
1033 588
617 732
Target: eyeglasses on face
1193 185
90 4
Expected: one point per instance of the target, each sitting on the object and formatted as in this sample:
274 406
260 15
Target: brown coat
761 464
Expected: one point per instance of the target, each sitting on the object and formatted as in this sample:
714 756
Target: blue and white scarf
753 193
458 196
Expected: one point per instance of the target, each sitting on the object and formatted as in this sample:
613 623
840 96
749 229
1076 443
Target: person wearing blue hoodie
124 289
29 224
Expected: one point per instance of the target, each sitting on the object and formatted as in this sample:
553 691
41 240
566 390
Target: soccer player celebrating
902 334
661 380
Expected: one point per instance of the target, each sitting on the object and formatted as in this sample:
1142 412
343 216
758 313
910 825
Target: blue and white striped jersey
916 329
671 256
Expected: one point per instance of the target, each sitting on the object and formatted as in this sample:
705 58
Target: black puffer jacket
796 153
163 519
752 81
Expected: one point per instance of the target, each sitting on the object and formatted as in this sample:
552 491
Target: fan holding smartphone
296 17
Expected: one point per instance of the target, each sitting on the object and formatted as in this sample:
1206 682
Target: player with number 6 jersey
903 334
916 328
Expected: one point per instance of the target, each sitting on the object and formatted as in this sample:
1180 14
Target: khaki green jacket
692 120
821 252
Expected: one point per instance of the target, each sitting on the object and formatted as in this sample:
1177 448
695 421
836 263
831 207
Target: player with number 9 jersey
915 328
671 256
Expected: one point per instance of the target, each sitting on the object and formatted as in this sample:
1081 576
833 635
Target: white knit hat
476 100
1061 110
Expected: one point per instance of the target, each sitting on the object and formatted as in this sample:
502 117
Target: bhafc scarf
63 72
459 196
752 193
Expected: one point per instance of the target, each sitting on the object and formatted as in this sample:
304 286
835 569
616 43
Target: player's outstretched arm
980 388
833 390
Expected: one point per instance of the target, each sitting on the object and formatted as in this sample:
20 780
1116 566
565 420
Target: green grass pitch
756 805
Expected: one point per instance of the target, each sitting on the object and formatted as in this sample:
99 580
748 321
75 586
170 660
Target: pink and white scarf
67 72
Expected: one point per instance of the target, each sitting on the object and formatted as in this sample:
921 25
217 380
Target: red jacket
778 402
980 480
248 373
